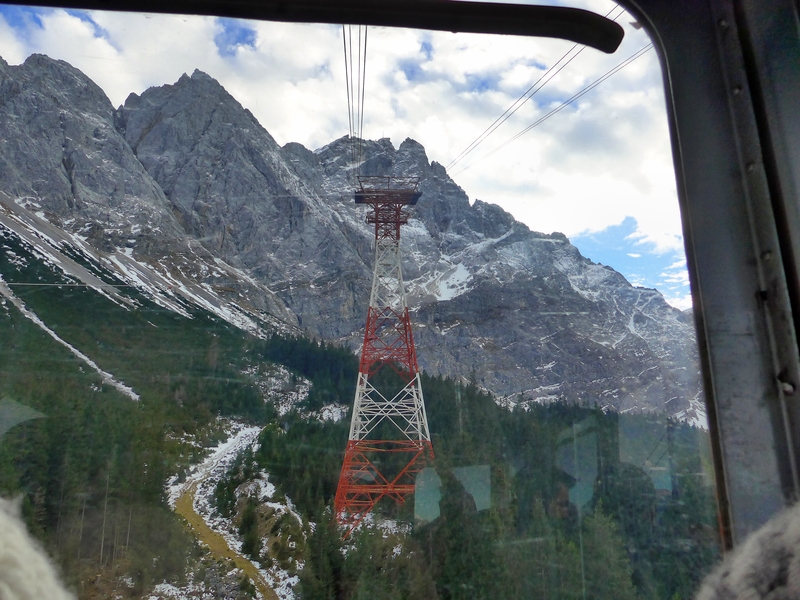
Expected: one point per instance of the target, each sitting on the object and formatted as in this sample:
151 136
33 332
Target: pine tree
464 551
608 569
322 575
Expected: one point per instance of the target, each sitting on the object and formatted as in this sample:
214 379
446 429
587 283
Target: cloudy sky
599 170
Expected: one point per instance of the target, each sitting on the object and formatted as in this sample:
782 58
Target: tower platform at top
383 189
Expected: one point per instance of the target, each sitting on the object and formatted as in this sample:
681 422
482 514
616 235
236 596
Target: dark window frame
732 84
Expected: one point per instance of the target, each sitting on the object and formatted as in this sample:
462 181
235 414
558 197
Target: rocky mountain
185 195
64 160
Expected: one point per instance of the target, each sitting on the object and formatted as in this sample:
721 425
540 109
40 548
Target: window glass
186 281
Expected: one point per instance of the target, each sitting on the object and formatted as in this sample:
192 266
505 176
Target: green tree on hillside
322 576
542 564
608 570
460 546
387 566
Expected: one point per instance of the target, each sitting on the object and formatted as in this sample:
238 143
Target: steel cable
563 105
526 95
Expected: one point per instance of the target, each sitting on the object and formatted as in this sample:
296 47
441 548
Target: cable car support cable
549 74
355 66
564 104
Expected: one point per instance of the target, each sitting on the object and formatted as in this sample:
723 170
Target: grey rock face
61 154
238 193
61 150
520 311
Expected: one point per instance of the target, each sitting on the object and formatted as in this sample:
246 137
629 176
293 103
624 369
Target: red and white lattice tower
385 421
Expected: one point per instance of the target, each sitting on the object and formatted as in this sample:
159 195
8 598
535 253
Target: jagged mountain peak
66 154
199 75
208 193
449 204
202 104
65 158
492 221
67 85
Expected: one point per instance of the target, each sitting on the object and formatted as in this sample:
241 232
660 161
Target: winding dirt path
184 506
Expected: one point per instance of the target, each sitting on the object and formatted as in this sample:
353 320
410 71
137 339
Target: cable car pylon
389 440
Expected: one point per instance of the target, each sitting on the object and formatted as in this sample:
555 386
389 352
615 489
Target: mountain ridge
209 198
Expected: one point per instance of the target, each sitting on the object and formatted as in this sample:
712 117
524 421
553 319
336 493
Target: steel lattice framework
388 342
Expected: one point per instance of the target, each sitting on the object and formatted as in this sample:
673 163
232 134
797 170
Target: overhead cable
564 104
355 67
546 77
362 82
347 78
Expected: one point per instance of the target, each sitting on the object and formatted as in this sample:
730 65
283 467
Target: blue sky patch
615 247
481 83
549 97
537 64
478 82
411 69
98 31
427 49
24 18
323 71
21 17
233 34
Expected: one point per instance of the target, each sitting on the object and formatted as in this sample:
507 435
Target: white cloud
678 264
11 49
680 301
679 277
602 159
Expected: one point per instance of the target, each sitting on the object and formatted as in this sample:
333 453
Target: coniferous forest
637 541
571 502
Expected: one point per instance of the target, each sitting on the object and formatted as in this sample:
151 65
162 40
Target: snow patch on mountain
284 389
169 284
696 413
207 474
444 282
106 377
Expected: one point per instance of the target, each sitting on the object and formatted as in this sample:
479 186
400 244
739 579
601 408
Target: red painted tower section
385 421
